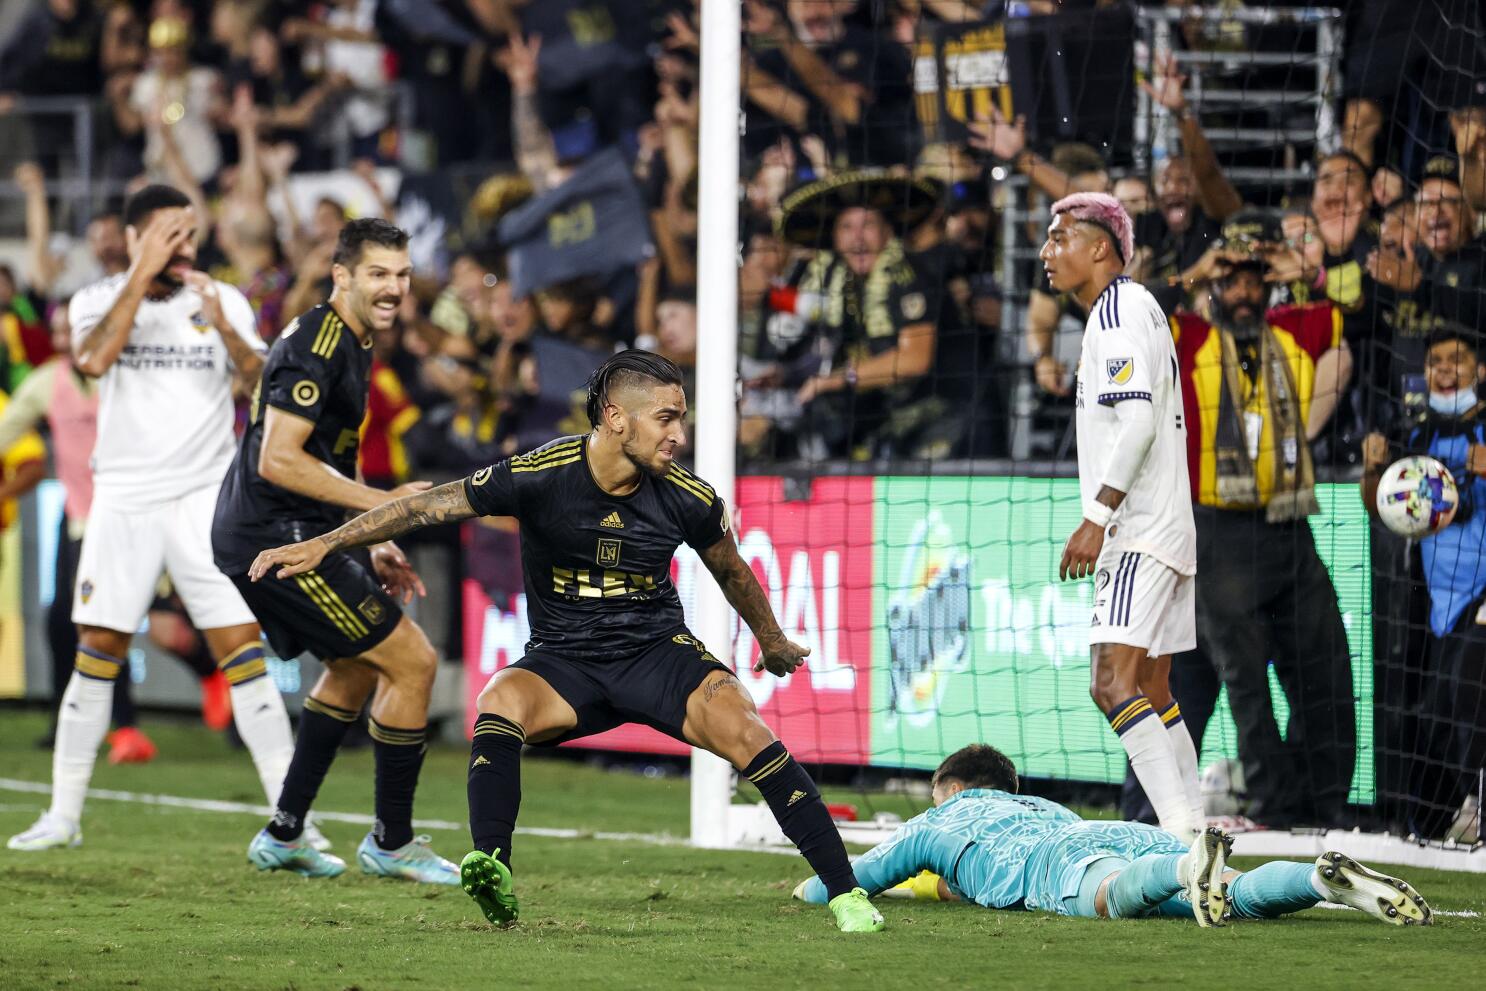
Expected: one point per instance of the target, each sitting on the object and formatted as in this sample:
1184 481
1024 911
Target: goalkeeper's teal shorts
1085 849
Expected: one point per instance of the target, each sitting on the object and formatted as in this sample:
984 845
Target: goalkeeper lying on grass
985 843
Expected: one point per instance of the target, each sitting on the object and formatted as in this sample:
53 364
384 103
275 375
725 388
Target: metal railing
1155 131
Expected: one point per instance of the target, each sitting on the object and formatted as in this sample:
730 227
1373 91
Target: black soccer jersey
597 566
318 371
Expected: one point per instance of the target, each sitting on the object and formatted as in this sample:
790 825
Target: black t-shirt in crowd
597 566
318 371
1173 251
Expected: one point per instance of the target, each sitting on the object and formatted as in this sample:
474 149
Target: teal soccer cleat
413 861
488 882
269 854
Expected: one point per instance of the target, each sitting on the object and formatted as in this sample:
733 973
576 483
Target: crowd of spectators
881 318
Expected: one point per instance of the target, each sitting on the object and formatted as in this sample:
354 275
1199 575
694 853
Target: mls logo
1119 370
608 555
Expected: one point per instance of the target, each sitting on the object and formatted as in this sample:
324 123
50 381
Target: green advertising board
976 640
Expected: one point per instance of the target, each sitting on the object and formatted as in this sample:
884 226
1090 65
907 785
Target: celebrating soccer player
166 344
601 517
1137 538
982 842
295 474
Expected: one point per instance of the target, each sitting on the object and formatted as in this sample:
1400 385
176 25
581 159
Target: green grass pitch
162 897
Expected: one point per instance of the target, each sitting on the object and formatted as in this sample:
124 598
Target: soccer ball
1417 497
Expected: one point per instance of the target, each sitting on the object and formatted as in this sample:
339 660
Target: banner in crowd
592 224
935 619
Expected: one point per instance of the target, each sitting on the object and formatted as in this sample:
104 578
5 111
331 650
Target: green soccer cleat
854 913
488 882
1387 899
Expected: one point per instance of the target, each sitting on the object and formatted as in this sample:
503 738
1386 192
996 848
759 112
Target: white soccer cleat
1206 890
47 833
1388 899
314 837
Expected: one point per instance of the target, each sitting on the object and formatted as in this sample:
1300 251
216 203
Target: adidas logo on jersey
478 761
794 798
612 521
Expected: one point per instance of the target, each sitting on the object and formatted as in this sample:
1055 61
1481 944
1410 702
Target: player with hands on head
167 344
601 517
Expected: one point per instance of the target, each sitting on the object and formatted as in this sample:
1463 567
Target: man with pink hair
1137 539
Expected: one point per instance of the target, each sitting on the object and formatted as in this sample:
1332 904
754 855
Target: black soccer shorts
650 687
337 610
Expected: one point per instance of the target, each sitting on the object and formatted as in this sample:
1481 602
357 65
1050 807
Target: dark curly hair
979 765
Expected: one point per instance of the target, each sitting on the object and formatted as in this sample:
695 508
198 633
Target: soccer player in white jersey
166 344
1137 538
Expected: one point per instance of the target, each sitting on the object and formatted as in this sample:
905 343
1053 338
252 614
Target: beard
638 458
1243 322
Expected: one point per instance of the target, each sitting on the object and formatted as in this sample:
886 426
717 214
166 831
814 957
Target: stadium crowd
544 156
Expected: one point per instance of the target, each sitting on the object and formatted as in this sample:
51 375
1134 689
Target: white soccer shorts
1143 603
124 552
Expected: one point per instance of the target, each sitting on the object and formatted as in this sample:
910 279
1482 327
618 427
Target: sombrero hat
808 214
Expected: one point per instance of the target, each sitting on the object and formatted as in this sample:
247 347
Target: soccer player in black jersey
601 517
295 475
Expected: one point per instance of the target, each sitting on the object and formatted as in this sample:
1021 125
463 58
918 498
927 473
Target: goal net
906 459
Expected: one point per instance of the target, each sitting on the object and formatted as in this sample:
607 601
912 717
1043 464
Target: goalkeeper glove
923 887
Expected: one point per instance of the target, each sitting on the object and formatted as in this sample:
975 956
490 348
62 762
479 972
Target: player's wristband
1098 513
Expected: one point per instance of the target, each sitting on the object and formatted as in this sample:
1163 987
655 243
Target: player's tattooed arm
777 654
444 504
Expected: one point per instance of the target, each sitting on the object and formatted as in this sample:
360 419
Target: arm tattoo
534 150
743 592
445 504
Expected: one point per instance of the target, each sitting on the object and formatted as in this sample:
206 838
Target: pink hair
1104 212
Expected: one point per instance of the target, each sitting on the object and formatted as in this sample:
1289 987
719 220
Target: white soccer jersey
165 407
1128 355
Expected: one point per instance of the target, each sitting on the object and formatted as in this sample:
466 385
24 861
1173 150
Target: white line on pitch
1464 914
357 818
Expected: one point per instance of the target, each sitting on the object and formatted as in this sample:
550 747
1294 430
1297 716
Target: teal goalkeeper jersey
1001 850
1010 835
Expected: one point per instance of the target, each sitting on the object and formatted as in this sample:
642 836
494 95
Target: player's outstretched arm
777 654
444 504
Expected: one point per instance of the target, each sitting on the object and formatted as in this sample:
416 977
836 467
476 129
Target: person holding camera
1258 384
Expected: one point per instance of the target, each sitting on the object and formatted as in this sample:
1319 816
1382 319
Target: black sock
796 803
200 660
495 783
322 727
123 713
399 755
